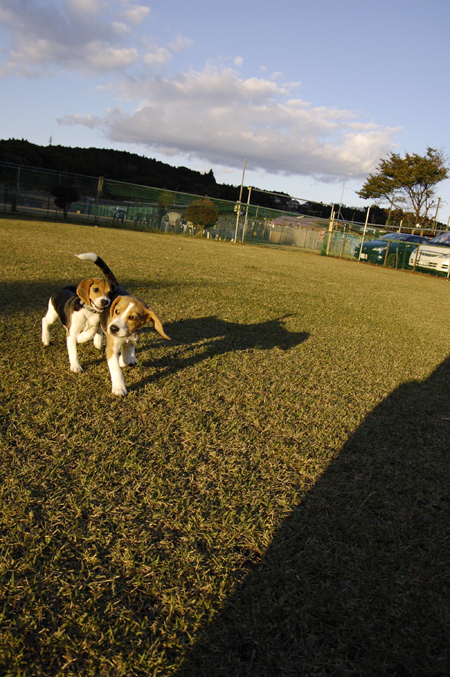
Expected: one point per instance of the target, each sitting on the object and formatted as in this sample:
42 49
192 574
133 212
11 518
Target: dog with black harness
79 310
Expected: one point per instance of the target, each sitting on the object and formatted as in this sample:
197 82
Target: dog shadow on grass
357 580
201 338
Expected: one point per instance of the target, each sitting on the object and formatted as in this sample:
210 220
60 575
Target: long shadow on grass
214 336
357 579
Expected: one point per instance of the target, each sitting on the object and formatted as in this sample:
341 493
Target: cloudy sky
311 93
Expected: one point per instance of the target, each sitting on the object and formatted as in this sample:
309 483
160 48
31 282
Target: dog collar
91 310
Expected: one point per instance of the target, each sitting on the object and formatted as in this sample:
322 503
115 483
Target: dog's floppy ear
83 290
151 317
114 304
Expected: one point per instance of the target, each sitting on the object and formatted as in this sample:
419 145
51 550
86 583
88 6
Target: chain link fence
103 202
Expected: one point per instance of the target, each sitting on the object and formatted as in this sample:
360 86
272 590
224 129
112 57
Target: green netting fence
28 190
103 202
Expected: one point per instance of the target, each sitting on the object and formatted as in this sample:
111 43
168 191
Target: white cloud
219 117
86 36
121 28
134 14
80 35
159 56
180 44
91 121
89 8
104 59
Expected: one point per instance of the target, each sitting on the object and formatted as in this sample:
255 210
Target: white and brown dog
79 310
122 322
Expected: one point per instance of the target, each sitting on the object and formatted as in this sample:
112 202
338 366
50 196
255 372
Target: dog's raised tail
107 272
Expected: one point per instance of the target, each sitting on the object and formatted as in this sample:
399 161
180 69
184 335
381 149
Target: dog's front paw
76 368
132 361
119 392
98 341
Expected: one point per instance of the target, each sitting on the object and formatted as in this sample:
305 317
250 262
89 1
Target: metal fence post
364 233
99 192
246 214
330 231
415 259
344 240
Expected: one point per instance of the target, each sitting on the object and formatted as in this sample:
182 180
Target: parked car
434 256
374 251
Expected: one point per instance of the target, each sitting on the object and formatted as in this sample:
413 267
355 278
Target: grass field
272 497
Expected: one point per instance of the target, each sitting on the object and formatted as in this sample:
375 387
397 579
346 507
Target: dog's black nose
113 329
104 302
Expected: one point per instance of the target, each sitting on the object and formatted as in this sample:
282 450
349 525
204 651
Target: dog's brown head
94 292
127 315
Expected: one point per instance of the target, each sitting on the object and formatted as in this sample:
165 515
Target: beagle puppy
122 322
79 310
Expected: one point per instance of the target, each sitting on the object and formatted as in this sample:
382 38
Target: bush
64 196
202 213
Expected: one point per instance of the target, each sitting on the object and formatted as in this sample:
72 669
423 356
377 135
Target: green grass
272 497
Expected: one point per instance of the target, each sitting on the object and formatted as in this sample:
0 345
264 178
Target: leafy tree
165 199
202 213
64 196
407 183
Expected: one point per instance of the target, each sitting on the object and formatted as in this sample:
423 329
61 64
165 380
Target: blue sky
311 93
